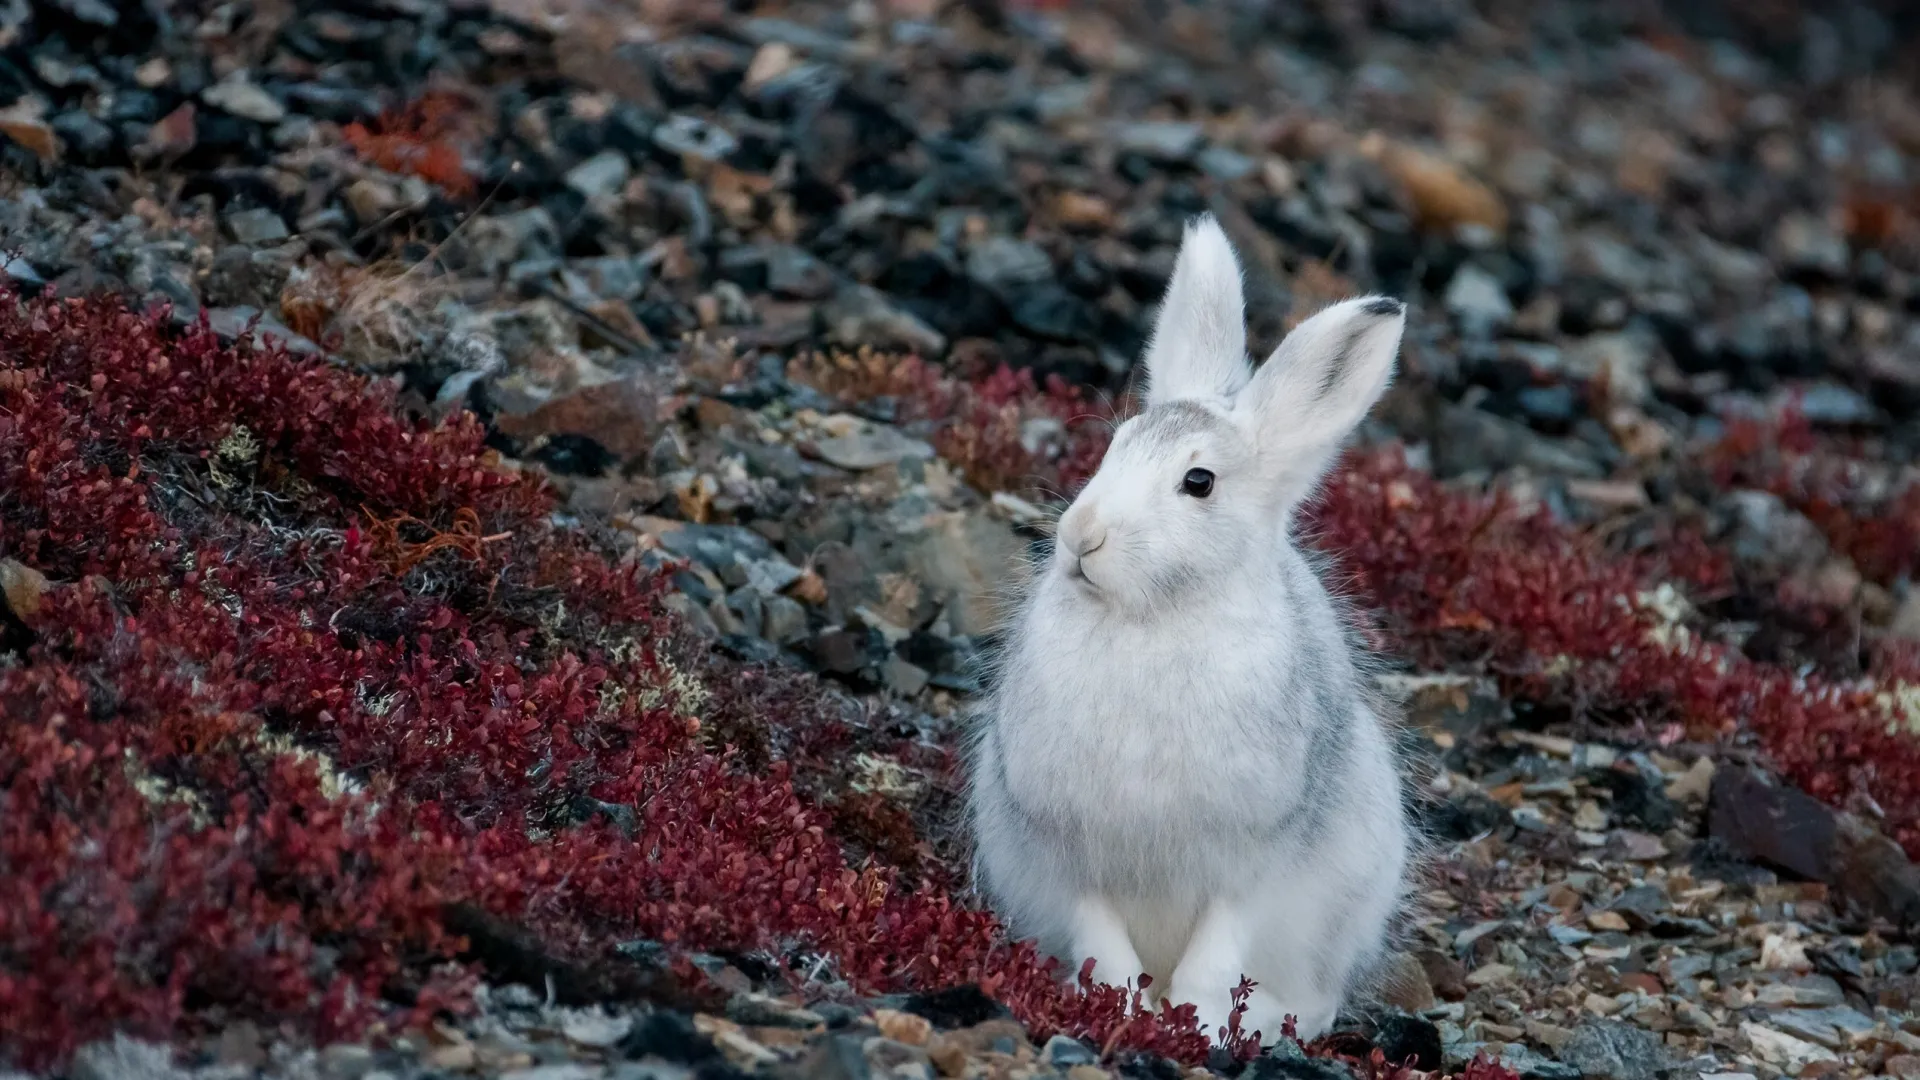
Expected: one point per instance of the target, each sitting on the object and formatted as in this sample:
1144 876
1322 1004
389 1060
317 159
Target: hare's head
1205 479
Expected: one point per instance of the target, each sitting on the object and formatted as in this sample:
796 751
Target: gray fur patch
1175 420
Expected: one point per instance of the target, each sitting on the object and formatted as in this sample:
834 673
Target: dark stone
754 650
1791 831
575 455
1140 1065
85 138
1275 1065
1086 276
1463 818
839 1057
1221 1060
1049 311
1064 1052
1410 1040
1641 905
843 652
1606 1050
669 1036
1551 409
956 1007
1638 800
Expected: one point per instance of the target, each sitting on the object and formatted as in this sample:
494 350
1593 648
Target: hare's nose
1089 542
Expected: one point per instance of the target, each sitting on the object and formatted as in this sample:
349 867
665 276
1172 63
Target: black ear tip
1384 307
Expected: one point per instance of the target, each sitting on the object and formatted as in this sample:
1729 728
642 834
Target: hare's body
1179 773
1223 786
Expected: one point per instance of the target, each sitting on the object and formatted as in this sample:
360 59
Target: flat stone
244 99
600 176
859 445
257 226
1605 1050
1835 1027
1161 140
1785 1051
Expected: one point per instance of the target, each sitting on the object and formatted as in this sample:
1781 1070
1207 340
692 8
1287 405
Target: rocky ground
821 307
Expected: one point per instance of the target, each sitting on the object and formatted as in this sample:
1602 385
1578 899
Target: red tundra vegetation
418 139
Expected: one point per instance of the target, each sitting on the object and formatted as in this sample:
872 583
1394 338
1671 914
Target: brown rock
903 1027
23 123
1442 196
1447 976
1760 819
22 587
1904 1066
622 415
948 1056
1404 984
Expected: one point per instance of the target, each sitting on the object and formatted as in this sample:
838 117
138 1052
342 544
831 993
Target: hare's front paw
1099 934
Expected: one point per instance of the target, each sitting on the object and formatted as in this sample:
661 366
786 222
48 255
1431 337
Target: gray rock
600 176
766 31
1529 1064
903 678
1807 244
97 12
16 268
715 546
1621 358
1469 440
1170 141
1765 531
794 273
1224 164
770 575
257 226
346 1061
1831 403
610 277
81 134
784 620
243 99
1834 1027
1064 1052
868 445
838 1057
124 1058
1606 1050
566 1070
862 315
691 136
1004 263
970 557
1477 302
749 607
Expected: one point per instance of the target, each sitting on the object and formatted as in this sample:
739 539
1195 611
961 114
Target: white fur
1178 772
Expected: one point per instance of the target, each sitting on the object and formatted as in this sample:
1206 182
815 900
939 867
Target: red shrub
1879 530
416 139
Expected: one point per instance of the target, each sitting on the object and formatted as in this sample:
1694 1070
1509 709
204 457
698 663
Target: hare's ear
1317 387
1199 344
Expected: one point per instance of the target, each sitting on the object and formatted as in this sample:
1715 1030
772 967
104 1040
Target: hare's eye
1197 483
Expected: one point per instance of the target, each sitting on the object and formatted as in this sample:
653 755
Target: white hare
1178 771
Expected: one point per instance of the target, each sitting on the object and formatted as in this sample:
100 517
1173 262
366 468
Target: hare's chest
1140 749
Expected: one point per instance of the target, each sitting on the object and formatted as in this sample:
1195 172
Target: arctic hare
1177 771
